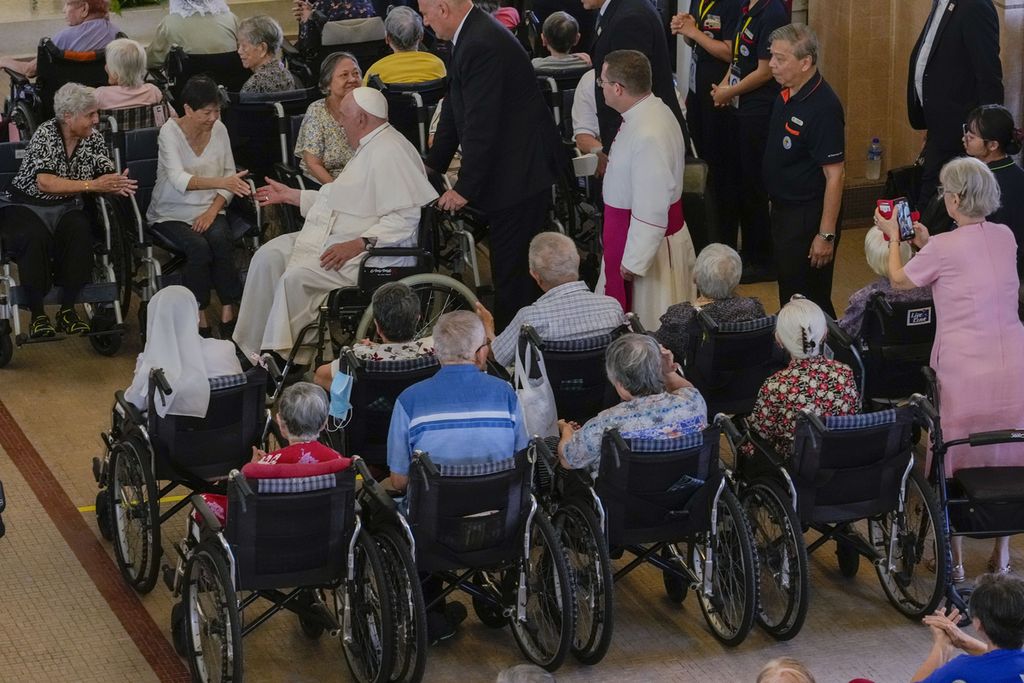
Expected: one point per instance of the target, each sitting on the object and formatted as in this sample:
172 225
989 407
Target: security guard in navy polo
804 165
748 87
713 128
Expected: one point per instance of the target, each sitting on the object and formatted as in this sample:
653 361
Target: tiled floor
56 624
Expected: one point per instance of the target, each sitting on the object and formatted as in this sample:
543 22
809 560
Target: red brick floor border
123 601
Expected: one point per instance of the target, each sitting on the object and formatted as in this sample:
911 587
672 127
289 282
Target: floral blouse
680 328
335 10
324 138
661 416
853 318
395 350
271 77
826 386
45 154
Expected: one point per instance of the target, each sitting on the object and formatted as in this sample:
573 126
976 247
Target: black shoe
758 273
41 328
68 322
227 329
442 625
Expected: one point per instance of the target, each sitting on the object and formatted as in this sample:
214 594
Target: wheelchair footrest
23 339
989 484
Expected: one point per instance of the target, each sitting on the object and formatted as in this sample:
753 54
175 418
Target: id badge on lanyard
734 79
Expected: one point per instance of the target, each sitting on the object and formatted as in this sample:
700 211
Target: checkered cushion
585 344
296 484
408 365
847 422
747 325
476 469
227 381
679 443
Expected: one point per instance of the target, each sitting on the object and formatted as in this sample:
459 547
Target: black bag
905 181
699 207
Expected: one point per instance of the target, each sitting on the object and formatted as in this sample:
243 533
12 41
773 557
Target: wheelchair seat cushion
1004 484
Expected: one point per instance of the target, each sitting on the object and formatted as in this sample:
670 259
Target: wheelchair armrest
838 334
133 414
17 79
205 512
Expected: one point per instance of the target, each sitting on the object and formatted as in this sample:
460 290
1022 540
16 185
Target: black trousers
794 227
714 133
64 258
938 149
511 230
209 260
753 198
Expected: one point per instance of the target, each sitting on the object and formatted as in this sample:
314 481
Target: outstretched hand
276 193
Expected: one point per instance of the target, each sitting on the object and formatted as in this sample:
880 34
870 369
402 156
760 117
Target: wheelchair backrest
731 361
194 448
559 89
252 120
658 489
469 516
854 467
131 118
56 67
11 154
139 151
374 393
225 68
410 106
897 338
291 531
363 38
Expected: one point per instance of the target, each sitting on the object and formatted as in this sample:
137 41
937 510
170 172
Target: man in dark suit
954 67
631 25
510 147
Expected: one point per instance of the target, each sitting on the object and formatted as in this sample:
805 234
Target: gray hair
717 271
303 409
561 31
72 99
633 361
126 61
457 337
876 252
801 37
974 183
554 258
801 328
262 29
396 308
525 673
998 603
328 66
404 29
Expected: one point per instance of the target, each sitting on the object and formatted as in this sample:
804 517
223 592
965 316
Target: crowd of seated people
89 28
321 146
403 31
199 27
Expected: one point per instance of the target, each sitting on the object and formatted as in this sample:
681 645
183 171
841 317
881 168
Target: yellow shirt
407 67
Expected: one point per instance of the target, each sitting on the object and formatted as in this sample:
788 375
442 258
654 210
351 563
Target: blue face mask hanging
341 403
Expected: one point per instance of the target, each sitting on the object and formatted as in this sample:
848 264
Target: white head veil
187 8
174 345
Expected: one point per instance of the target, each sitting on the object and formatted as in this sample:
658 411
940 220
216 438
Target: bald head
361 113
444 16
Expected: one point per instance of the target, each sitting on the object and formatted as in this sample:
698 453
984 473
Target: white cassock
643 220
378 196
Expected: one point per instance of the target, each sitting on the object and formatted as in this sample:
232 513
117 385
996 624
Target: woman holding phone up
977 357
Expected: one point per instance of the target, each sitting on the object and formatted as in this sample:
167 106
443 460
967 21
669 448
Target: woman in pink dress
978 354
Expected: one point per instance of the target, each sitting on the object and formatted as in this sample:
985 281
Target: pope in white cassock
375 201
648 255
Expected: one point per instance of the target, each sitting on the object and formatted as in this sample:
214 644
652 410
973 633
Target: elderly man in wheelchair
375 203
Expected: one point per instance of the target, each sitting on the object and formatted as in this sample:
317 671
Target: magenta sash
614 233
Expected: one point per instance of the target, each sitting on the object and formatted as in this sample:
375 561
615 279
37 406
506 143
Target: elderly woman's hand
889 226
302 11
114 183
921 235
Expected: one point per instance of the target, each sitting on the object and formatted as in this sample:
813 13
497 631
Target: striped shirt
569 311
458 416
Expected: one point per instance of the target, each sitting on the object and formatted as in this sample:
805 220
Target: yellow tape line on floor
168 499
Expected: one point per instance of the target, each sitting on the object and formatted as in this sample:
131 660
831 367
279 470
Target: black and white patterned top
271 77
45 154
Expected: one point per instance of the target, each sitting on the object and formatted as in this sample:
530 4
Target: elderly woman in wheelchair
45 226
89 28
128 90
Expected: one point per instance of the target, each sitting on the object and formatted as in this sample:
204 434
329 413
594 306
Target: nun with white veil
200 27
189 361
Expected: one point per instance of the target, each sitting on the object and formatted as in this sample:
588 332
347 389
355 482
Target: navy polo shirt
806 132
717 20
1010 177
751 42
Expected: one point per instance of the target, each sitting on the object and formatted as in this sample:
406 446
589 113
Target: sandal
958 575
41 328
992 569
68 322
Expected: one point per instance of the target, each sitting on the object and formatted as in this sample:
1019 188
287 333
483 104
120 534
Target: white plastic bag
535 395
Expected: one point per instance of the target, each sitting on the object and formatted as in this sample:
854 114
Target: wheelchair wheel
783 589
546 634
907 543
101 321
595 591
213 628
439 294
369 649
730 605
104 520
490 615
410 613
24 120
135 513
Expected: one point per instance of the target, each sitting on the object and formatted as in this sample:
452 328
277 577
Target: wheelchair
225 68
331 573
843 470
458 234
143 449
479 529
3 506
410 107
660 493
104 298
362 37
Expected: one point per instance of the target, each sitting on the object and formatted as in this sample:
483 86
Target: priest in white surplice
374 202
648 255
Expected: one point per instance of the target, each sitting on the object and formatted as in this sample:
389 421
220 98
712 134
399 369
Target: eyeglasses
942 191
601 82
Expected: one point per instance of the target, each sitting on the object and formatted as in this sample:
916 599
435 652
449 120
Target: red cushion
255 470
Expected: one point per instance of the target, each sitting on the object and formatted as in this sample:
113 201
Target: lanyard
736 40
705 7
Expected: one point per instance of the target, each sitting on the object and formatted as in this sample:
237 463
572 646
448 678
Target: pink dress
978 354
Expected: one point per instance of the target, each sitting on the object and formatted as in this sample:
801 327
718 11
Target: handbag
536 399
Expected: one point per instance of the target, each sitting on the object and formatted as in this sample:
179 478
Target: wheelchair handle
838 333
239 480
160 380
996 437
882 303
426 463
530 333
267 362
729 427
815 421
544 451
371 485
925 406
634 324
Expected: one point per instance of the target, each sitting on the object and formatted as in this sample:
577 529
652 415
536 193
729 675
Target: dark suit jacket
963 69
633 25
494 108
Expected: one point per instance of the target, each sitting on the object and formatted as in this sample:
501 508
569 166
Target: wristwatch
827 236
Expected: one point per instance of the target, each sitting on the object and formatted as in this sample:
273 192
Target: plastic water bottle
873 170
